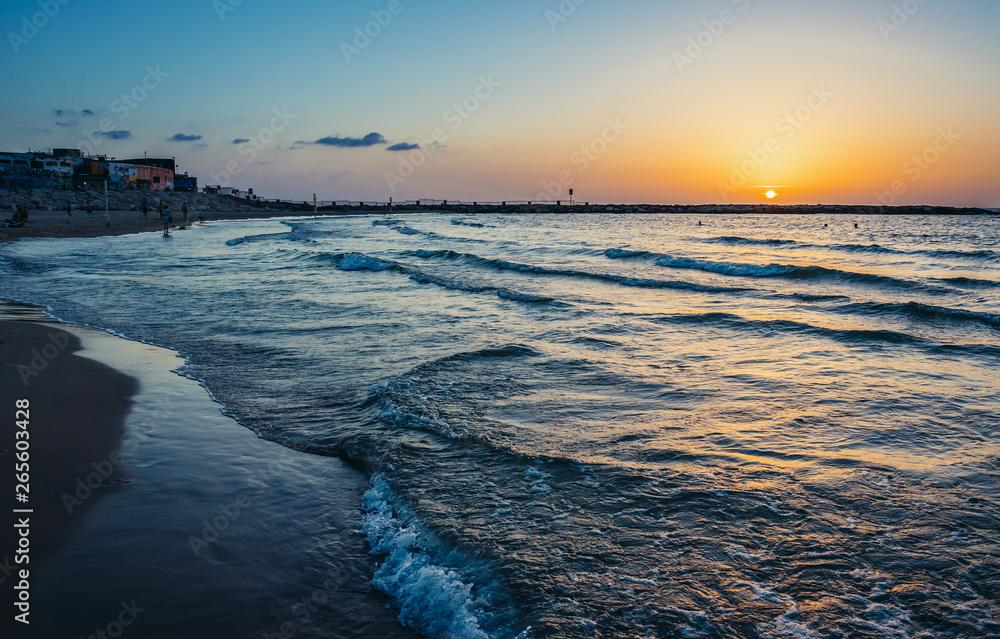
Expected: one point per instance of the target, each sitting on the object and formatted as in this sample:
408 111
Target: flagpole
107 211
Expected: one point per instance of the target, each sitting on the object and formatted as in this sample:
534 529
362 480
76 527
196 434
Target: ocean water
607 425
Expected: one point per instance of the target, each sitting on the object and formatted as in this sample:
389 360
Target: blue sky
550 75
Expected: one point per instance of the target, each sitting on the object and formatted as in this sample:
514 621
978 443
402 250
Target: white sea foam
765 594
739 552
537 478
890 622
406 404
433 599
787 626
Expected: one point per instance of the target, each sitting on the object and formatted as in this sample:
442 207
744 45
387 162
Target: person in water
165 213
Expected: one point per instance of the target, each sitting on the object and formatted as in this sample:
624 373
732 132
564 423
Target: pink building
153 178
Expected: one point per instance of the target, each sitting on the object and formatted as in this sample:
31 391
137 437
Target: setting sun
771 195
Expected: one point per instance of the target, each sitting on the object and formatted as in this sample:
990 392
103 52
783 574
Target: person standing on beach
165 215
144 207
69 209
184 210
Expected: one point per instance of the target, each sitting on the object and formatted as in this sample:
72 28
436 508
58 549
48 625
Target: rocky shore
56 200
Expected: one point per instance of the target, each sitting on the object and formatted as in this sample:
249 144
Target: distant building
185 183
67 153
154 178
154 174
15 159
161 163
35 171
121 176
69 168
59 166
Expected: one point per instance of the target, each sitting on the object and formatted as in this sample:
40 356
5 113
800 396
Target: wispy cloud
403 146
71 113
114 135
70 123
241 140
372 139
183 137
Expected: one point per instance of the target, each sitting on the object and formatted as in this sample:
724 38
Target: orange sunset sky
859 102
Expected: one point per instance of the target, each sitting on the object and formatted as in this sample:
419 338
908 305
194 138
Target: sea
606 425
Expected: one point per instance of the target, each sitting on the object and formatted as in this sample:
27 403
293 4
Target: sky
632 101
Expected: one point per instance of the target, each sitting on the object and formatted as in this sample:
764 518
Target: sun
771 195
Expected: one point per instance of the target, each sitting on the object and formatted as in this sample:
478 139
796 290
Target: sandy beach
89 401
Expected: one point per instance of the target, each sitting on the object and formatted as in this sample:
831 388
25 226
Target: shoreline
57 224
202 529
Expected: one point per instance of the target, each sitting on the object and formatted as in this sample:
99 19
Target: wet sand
76 419
202 529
